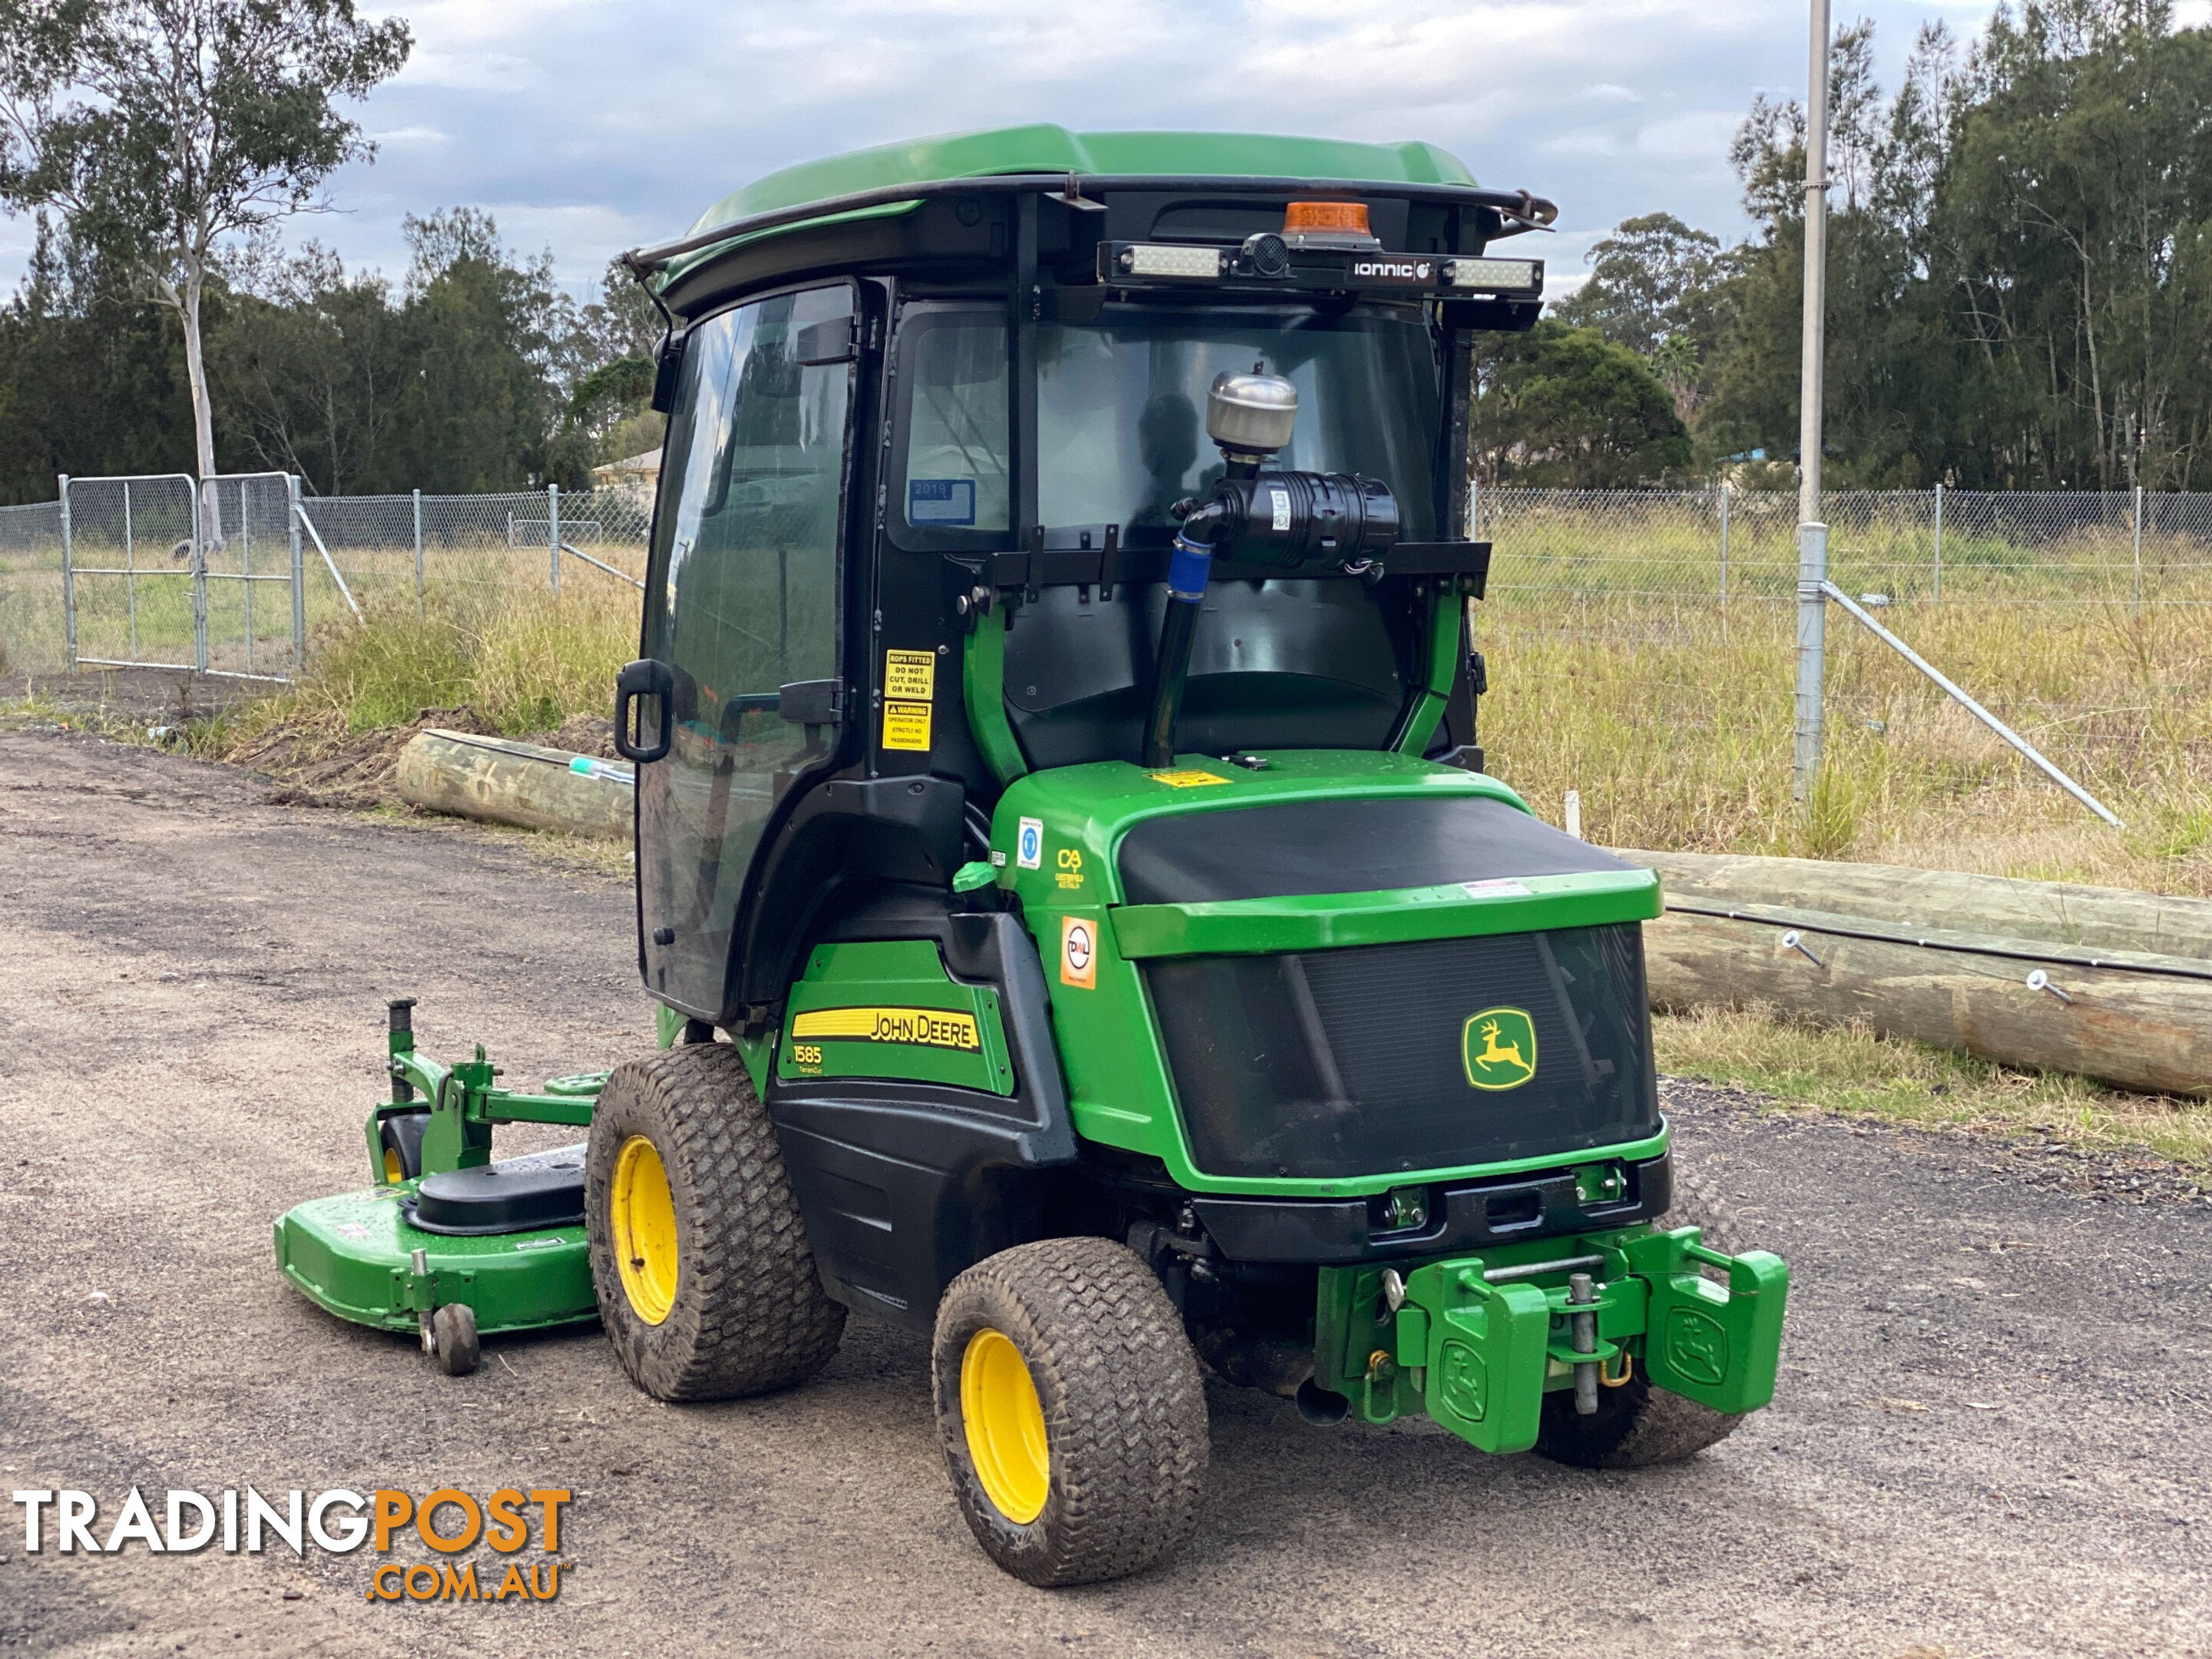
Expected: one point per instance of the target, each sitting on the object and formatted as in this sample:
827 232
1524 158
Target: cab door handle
646 678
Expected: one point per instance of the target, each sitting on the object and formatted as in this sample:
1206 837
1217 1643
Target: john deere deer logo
1499 1045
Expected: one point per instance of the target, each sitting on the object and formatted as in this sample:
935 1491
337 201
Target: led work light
1164 259
1497 276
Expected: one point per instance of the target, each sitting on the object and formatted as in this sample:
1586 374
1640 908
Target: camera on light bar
1496 276
1169 259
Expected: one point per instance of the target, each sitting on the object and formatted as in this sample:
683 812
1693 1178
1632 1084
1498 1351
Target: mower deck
353 1253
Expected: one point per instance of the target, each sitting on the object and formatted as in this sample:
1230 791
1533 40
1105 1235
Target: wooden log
2059 913
504 781
2132 1029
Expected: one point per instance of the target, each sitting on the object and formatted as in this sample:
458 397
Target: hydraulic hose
1187 570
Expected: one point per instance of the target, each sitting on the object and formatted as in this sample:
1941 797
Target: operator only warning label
906 725
934 1027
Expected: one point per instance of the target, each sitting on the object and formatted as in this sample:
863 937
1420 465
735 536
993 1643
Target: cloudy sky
587 126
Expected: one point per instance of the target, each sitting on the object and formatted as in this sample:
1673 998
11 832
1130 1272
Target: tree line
472 373
2019 279
2020 282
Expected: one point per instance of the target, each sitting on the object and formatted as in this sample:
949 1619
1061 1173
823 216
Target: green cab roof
1044 148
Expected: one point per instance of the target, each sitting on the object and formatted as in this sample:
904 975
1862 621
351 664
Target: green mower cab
1084 930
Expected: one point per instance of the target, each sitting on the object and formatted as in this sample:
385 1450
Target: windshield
1122 408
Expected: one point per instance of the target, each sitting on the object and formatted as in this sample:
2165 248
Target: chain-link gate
133 595
253 622
163 571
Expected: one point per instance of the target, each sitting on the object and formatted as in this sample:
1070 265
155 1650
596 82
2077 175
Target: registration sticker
1079 952
1185 780
940 501
906 725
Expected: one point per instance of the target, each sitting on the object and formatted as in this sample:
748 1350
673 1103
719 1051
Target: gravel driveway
1992 1434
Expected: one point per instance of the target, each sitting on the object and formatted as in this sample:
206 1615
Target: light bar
1497 276
1166 259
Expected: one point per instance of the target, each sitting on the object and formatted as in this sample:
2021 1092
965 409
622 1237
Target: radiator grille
1366 1061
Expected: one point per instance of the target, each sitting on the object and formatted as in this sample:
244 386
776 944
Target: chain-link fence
1642 642
126 585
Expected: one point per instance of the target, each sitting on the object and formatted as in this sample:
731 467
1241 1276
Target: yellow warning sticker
1185 780
910 676
906 725
1079 952
934 1027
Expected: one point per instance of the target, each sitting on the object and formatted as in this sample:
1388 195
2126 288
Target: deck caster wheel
1072 1418
400 1136
453 1339
706 1286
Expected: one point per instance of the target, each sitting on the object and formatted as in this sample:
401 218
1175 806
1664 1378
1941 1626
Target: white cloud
589 125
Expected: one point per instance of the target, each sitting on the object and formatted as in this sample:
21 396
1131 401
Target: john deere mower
1085 929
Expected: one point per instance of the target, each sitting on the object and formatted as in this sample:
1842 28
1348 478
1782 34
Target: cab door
742 641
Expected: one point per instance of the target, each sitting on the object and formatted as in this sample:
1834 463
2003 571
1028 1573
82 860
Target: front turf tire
1062 1368
1637 1425
705 1285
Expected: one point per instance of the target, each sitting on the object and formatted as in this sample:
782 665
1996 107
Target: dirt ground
1990 1438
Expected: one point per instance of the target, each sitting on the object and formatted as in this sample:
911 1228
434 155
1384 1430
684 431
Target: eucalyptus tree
167 132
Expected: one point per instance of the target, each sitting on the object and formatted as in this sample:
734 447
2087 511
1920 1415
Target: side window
741 603
747 596
953 365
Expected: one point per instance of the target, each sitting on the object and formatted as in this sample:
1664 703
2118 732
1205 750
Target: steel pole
299 575
1939 545
418 556
2139 512
68 575
553 531
1726 492
1812 532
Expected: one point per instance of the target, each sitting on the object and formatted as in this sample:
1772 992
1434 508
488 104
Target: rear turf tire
1062 1369
1637 1425
684 1188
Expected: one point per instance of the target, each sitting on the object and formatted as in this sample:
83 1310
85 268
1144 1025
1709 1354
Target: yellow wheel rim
394 1172
643 1223
1006 1426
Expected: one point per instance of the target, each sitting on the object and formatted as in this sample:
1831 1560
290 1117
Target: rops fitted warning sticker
1079 952
1185 780
934 1027
910 676
1499 1047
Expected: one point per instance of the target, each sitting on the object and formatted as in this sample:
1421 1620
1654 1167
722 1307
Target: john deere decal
937 1028
1499 1045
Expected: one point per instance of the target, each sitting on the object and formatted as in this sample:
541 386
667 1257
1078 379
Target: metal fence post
418 556
210 503
1939 543
553 530
1727 490
2139 512
299 575
69 576
1812 653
